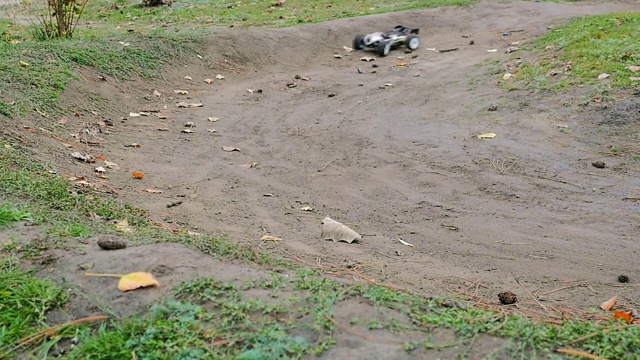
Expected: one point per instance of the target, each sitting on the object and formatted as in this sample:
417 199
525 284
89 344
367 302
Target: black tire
412 42
358 42
383 49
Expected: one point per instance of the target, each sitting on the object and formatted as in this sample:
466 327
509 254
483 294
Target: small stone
297 77
507 298
493 107
87 266
598 164
331 94
471 42
623 278
111 243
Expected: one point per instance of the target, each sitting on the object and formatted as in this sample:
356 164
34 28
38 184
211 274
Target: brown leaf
208 81
183 104
63 121
138 175
157 93
622 315
270 238
609 304
181 92
230 148
100 157
336 231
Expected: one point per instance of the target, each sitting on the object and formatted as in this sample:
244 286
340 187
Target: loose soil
400 161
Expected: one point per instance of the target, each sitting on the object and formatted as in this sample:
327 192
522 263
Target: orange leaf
138 175
137 280
622 315
609 304
100 157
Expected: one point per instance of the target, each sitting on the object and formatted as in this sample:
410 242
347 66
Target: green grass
206 311
35 73
205 13
591 45
24 301
10 214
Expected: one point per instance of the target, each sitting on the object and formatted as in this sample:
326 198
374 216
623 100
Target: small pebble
332 94
623 278
598 164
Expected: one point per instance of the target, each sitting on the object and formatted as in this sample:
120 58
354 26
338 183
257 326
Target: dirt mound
389 150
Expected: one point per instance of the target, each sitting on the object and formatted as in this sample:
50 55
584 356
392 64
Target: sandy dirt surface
392 162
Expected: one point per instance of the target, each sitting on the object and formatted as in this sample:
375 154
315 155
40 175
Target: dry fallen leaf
208 81
153 191
347 49
219 77
213 119
189 124
249 165
137 280
110 165
181 92
633 68
157 93
131 281
405 243
603 76
100 170
367 58
183 104
187 131
336 231
609 304
486 136
270 238
306 208
100 157
212 130
86 157
63 121
123 226
138 175
622 315
337 56
188 77
230 148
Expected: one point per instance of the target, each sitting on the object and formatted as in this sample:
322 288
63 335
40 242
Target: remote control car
383 42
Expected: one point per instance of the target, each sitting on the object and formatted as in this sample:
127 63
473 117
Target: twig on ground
533 297
580 354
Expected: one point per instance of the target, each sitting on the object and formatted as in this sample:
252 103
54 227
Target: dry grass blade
533 297
580 354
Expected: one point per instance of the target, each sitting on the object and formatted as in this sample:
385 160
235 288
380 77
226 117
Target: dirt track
399 162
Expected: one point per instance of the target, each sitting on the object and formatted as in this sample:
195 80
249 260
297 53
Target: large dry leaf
336 231
609 304
137 280
183 104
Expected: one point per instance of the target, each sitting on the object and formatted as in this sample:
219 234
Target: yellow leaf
131 281
23 63
486 136
137 280
123 225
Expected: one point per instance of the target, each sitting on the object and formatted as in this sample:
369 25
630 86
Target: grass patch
34 73
24 301
591 46
214 319
252 13
9 214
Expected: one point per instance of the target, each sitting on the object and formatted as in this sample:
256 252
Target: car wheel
384 49
358 42
412 42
